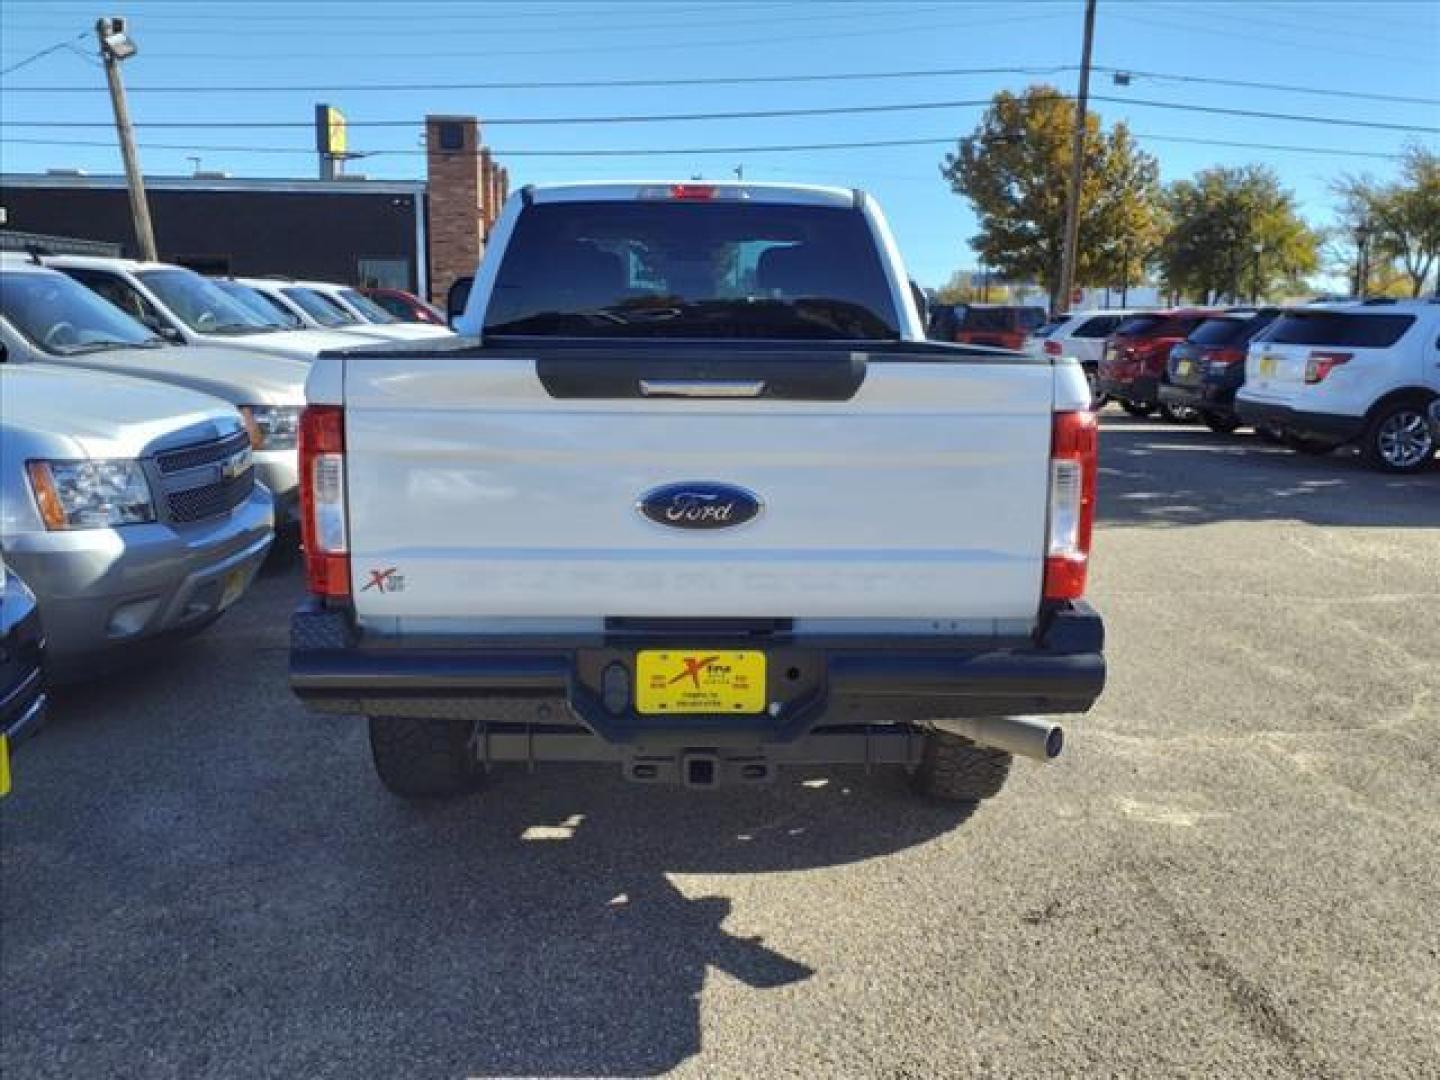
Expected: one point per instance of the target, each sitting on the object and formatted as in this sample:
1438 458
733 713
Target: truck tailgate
477 492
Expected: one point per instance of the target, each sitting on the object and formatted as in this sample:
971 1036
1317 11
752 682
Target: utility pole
115 46
1077 167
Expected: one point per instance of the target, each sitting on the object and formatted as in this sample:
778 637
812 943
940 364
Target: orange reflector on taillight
1074 452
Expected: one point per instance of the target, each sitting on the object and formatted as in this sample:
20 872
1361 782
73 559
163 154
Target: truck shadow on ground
268 910
1159 475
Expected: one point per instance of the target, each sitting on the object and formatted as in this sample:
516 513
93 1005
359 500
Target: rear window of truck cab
691 268
1355 329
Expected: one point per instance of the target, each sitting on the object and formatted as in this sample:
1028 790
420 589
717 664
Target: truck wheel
423 758
1136 409
1398 438
955 769
1221 425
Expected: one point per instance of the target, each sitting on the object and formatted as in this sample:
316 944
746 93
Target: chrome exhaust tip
1023 736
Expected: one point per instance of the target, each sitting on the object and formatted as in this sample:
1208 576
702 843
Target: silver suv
130 508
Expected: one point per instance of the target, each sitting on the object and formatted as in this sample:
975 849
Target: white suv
1080 334
1363 373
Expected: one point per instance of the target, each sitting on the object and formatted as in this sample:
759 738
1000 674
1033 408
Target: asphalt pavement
1234 869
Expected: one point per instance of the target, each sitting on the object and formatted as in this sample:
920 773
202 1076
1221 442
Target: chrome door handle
702 388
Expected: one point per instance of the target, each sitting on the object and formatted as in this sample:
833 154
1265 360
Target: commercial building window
384 273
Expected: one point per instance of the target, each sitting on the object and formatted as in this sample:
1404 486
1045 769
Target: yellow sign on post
330 135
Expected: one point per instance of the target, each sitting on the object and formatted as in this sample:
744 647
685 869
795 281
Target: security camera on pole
115 46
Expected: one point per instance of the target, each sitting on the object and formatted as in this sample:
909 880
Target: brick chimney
458 197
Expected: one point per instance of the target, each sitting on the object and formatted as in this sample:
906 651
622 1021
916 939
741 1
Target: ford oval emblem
699 504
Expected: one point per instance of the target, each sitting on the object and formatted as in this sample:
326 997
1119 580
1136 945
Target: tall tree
1401 219
1234 233
1014 169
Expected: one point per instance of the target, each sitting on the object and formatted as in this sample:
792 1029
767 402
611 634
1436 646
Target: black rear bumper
1142 390
812 680
1311 425
1206 397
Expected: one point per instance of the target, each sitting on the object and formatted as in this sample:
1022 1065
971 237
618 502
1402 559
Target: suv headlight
271 427
91 494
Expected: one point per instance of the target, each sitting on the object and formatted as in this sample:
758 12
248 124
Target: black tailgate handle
741 374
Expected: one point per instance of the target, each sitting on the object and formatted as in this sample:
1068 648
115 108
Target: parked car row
1315 377
147 453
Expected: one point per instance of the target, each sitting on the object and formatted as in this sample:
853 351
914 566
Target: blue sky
1391 48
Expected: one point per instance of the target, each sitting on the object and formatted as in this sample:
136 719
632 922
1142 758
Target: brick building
418 235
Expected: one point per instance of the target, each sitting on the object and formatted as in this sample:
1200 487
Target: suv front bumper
546 700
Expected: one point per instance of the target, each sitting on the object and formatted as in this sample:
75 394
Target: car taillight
323 523
1074 449
1321 364
1220 359
1052 348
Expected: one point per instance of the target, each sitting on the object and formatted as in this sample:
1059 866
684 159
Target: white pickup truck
694 495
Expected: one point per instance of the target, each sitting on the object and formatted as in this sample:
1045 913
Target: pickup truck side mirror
456 299
4 353
922 302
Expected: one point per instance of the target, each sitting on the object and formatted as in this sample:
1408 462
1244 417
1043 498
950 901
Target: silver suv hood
57 411
295 344
235 374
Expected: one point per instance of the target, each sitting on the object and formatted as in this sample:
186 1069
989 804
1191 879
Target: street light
116 46
114 41
1258 249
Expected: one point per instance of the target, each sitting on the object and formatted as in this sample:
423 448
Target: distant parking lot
1231 870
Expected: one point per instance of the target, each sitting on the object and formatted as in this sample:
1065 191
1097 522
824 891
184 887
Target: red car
406 306
1003 326
1133 363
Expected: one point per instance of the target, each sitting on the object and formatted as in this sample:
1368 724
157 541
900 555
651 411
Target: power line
753 114
1319 91
729 80
1214 31
648 48
562 84
949 140
58 47
1302 118
538 121
439 25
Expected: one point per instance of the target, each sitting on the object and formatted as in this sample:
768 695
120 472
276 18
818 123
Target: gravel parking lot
1233 870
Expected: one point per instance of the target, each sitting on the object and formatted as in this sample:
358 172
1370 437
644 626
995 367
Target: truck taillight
323 524
1074 448
1321 364
1052 348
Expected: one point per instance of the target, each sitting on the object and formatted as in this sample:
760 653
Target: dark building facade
351 231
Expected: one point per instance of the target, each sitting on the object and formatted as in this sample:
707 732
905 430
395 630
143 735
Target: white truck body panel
922 497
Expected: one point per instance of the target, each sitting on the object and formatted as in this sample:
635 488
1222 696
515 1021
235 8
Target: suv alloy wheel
1399 438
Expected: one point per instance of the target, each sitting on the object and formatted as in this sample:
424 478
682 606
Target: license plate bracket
673 682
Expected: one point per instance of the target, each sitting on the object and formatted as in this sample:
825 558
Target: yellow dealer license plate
1267 365
1182 368
4 766
699 681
